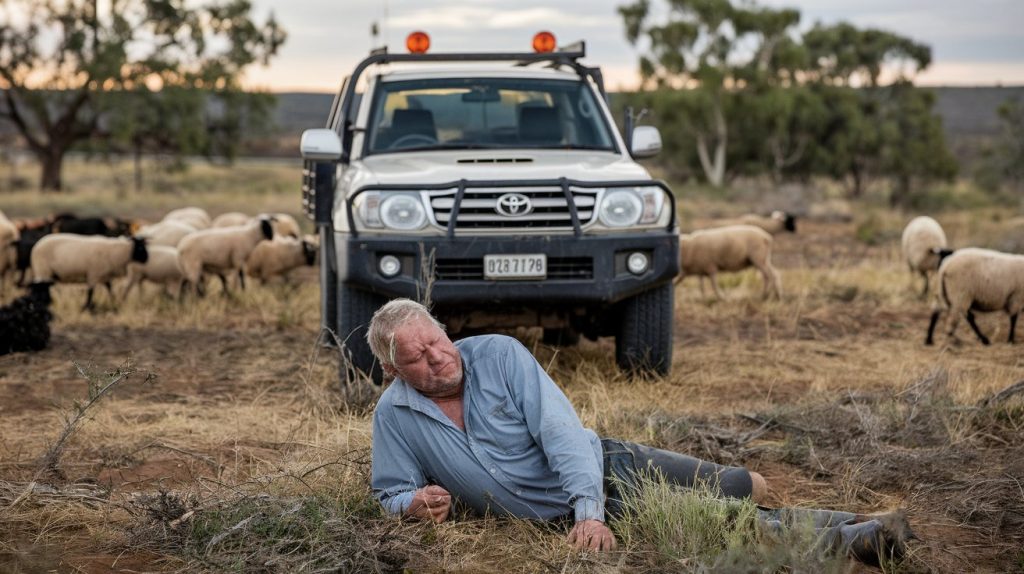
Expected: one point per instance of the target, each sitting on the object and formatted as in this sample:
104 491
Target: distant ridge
969 117
966 111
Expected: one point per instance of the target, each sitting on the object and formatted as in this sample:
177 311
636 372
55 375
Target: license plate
519 266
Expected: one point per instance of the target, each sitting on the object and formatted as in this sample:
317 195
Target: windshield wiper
443 147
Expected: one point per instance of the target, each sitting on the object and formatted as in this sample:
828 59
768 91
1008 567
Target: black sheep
24 245
106 226
25 323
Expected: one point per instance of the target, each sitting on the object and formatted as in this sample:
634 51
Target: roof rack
567 56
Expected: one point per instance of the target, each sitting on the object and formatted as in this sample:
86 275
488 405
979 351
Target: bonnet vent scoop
492 160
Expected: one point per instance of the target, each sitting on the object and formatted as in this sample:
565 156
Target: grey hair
387 320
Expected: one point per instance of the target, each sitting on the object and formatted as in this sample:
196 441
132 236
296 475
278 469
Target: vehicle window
481 113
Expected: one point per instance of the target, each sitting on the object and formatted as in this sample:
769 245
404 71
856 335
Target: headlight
397 211
403 212
620 208
623 207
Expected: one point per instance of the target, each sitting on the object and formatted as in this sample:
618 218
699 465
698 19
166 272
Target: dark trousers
625 462
866 538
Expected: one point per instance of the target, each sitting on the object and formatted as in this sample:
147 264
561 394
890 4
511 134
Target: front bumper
582 269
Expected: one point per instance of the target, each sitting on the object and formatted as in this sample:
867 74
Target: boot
865 537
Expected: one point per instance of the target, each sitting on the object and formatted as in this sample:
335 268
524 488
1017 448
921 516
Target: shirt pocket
508 428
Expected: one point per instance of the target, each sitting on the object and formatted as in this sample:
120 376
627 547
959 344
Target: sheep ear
942 252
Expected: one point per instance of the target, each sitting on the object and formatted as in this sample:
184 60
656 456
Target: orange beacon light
417 42
544 42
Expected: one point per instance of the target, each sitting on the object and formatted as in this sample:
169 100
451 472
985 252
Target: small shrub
693 530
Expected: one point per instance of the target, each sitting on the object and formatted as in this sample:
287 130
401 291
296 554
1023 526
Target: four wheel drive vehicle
497 190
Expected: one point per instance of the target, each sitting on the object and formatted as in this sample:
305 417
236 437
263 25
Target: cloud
477 18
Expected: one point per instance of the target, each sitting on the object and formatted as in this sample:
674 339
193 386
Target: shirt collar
407 396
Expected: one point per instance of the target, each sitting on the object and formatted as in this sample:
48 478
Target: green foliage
841 53
695 531
704 43
80 70
1004 161
739 92
869 231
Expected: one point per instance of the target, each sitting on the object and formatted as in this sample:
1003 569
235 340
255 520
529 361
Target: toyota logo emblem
513 205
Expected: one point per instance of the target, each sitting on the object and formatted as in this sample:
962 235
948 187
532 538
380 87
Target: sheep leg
241 279
127 289
924 292
977 331
224 284
110 292
771 281
1013 327
930 340
713 277
703 291
88 300
954 321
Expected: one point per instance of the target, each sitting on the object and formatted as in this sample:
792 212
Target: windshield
486 113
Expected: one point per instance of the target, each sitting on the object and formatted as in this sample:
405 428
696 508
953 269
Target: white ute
495 187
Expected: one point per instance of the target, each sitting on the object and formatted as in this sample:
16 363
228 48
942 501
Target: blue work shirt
524 452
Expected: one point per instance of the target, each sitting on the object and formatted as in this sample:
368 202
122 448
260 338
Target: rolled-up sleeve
556 428
396 472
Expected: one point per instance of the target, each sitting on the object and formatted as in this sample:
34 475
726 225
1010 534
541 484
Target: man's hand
430 503
591 535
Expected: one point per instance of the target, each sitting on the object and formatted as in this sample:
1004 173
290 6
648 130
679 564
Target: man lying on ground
482 421
479 420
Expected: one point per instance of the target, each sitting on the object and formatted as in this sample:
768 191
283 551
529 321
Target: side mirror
646 142
320 145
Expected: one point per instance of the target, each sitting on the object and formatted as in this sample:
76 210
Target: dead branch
1014 389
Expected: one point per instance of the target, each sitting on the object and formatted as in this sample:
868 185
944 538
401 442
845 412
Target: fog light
389 266
637 263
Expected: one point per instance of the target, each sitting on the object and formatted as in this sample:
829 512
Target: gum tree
67 67
715 48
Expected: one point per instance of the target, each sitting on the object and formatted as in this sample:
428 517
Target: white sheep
8 230
194 216
775 223
922 237
276 258
161 267
285 225
982 280
733 248
230 219
221 251
90 259
9 235
166 233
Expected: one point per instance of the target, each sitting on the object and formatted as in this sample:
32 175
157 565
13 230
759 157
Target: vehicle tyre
328 288
564 337
643 343
355 310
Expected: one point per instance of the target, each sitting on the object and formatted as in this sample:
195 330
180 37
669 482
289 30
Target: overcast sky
974 42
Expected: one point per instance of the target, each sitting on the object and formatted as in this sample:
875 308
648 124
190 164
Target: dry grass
243 456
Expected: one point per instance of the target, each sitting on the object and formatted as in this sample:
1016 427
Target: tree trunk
714 171
52 161
138 167
858 181
899 196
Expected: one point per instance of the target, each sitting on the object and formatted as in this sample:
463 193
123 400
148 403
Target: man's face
426 358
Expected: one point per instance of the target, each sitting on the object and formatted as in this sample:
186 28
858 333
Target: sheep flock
187 246
177 252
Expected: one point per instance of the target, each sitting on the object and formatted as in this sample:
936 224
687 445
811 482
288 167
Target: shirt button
494 470
519 493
